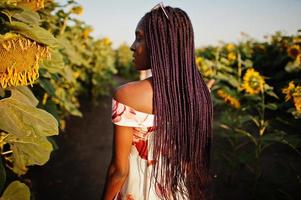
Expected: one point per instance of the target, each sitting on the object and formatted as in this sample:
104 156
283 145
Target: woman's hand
210 84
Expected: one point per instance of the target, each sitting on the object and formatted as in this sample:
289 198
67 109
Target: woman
162 125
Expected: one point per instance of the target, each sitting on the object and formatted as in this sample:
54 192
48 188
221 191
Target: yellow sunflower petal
253 82
19 60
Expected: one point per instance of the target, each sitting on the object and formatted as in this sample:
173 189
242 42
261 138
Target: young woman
162 125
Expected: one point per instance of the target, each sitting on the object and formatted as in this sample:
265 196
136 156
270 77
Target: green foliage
78 65
16 190
248 94
26 128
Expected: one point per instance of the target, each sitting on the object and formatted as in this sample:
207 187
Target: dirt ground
78 168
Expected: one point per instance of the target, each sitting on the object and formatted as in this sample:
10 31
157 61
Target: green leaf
23 119
16 191
47 86
33 32
2 92
271 106
269 91
24 95
64 96
55 64
245 156
70 51
52 108
27 16
272 94
293 67
272 137
228 78
2 175
28 150
225 68
255 120
247 63
293 141
245 118
247 134
68 74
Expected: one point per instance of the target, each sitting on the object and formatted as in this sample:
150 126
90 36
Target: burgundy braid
182 106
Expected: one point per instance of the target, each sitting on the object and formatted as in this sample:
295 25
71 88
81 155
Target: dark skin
138 95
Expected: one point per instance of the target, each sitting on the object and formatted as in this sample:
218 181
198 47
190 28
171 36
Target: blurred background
61 60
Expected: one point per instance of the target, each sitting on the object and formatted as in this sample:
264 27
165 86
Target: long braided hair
182 106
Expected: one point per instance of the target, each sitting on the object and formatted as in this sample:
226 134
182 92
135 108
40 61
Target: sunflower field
49 61
257 101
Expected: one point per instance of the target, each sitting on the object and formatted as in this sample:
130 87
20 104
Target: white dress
138 185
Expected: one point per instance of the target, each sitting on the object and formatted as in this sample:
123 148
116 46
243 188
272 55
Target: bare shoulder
136 94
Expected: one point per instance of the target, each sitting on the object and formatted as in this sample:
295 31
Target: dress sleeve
124 115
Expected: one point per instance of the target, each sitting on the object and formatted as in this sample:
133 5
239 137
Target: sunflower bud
106 41
19 60
293 51
78 10
86 32
32 4
231 100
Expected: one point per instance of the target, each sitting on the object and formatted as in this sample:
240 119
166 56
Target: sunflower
32 4
86 32
199 61
253 82
230 47
203 67
293 92
289 90
232 101
293 51
19 60
106 41
231 56
297 98
297 102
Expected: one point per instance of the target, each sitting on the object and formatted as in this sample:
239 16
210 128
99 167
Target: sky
213 20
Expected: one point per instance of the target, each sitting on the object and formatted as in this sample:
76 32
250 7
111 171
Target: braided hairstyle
182 106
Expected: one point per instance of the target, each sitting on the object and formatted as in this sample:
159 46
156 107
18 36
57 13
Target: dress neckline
133 108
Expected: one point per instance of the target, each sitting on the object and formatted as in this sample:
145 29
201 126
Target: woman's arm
119 166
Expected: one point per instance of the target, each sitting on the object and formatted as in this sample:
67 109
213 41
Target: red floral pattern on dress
141 133
117 111
141 147
124 114
138 181
129 197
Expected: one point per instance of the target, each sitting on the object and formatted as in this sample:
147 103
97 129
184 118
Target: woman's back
137 94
